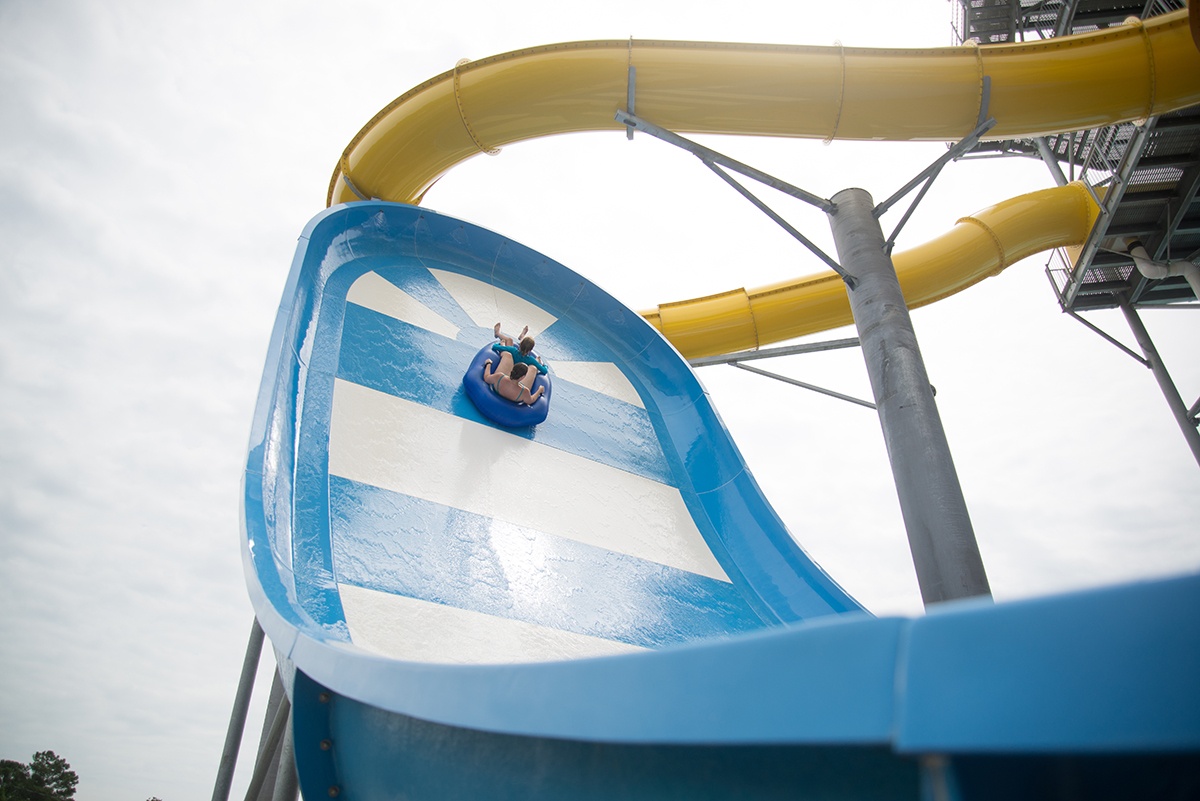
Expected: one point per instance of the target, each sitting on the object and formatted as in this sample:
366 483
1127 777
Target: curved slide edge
1115 668
1107 674
980 245
1072 83
1129 654
291 571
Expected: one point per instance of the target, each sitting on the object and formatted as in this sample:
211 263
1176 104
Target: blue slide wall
604 605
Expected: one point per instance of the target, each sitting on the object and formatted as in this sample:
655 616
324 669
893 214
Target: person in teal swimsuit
522 354
513 381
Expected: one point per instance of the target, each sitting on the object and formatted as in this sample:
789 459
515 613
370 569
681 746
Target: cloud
158 163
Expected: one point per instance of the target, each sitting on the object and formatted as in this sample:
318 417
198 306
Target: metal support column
1050 160
237 720
268 766
1186 422
287 783
944 550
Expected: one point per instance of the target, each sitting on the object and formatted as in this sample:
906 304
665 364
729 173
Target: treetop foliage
47 777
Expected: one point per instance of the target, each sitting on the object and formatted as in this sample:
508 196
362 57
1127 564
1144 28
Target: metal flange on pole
944 550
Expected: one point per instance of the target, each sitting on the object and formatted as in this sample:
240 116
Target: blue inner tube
499 409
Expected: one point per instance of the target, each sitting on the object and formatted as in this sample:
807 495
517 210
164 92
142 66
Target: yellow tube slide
1072 83
980 245
1050 86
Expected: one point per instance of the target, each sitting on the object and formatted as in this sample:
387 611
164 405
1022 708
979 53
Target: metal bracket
350 185
770 353
630 92
1184 416
1050 160
710 155
736 359
1108 338
985 100
927 176
803 385
716 161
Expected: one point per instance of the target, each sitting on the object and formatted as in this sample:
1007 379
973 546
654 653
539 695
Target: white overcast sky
157 162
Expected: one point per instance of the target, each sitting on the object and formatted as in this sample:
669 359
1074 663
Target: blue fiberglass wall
287 489
1101 672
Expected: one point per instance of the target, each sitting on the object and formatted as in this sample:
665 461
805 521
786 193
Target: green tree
47 777
14 781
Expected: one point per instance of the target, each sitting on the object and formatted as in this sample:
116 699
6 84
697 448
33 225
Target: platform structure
1144 175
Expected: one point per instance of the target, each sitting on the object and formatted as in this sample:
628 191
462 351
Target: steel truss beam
1185 417
944 550
716 161
737 359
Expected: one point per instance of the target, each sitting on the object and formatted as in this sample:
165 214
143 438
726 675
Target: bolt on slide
603 604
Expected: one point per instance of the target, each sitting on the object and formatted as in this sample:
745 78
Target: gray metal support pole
237 720
944 550
287 783
1178 408
266 767
1050 160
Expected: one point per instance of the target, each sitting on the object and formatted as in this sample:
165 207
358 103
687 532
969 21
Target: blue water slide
603 605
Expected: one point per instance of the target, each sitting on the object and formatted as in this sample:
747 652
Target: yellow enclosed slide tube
1072 83
1125 73
979 245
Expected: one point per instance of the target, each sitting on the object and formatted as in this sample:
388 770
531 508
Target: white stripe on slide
488 305
602 377
373 291
422 631
395 444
